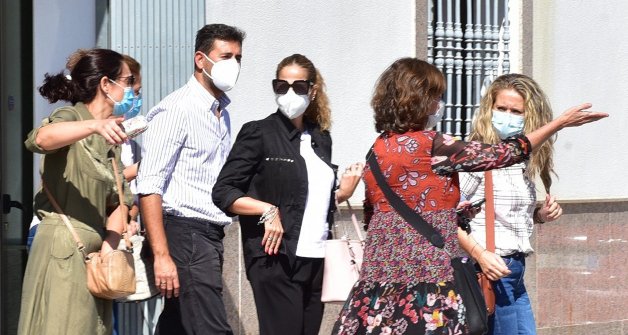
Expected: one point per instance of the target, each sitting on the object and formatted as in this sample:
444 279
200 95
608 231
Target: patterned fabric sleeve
450 155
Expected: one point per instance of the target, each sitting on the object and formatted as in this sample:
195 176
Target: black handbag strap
412 217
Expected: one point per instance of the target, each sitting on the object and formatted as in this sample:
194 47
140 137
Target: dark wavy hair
404 95
87 69
206 36
318 112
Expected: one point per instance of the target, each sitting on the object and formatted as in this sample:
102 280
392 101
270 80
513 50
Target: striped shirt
183 150
515 200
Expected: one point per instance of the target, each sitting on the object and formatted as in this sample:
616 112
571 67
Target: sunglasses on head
300 87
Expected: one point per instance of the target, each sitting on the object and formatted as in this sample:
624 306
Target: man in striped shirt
184 148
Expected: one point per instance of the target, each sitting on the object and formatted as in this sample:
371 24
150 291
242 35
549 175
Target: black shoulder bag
465 279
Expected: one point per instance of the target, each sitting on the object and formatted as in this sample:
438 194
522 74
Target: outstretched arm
572 117
60 134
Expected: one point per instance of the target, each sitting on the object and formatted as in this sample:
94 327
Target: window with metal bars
469 42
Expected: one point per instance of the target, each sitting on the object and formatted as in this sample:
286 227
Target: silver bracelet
270 213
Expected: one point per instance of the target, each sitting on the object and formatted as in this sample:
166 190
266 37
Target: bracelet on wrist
268 215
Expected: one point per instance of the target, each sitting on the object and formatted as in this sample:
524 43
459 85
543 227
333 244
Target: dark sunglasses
300 87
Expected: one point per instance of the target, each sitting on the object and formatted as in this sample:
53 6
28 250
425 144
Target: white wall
350 44
59 28
580 54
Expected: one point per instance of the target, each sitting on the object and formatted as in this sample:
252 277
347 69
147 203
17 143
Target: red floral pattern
406 283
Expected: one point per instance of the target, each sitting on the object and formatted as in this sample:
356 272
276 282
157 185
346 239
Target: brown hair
318 112
134 65
404 94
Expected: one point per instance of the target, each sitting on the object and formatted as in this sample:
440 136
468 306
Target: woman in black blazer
280 180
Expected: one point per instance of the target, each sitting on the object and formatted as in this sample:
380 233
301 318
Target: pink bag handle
354 219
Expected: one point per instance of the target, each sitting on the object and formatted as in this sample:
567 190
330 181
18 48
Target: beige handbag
343 259
113 275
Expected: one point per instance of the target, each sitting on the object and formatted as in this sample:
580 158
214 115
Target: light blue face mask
507 124
137 106
126 104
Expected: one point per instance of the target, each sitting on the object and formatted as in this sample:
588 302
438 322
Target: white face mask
507 124
434 119
224 73
291 104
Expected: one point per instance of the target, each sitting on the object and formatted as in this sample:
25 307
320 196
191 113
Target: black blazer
265 163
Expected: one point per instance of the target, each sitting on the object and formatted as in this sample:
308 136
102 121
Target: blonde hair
537 112
318 112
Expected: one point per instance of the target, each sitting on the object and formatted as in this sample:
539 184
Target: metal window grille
160 34
469 42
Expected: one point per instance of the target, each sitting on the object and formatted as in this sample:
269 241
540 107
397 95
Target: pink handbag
343 259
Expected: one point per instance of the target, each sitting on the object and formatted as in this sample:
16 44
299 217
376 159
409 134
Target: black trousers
288 299
197 250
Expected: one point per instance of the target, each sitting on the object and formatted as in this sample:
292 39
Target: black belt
198 220
517 254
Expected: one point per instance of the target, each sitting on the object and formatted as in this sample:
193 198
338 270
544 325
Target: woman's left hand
273 234
550 210
349 181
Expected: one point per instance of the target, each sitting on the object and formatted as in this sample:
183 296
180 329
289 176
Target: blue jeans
513 312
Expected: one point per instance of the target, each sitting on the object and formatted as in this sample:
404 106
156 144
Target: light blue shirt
183 150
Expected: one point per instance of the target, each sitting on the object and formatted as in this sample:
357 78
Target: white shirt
314 228
130 154
515 200
184 148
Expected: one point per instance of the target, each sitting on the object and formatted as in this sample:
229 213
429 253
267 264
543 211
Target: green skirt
55 299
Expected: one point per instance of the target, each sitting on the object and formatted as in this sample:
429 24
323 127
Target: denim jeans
513 312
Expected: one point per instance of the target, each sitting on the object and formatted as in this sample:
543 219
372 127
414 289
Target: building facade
576 50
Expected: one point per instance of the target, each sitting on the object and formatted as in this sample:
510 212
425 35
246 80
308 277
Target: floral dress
406 284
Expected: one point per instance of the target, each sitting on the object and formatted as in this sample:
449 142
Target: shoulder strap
489 209
412 217
75 236
77 239
124 213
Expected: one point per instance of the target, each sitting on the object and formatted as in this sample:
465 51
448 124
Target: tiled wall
578 274
576 278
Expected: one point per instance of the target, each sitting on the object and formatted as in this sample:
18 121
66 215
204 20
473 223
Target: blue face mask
137 106
126 104
507 124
